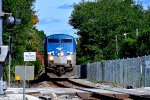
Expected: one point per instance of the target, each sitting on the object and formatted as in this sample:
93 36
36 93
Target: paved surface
16 93
47 90
17 97
55 90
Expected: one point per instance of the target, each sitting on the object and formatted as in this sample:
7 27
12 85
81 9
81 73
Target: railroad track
93 92
66 83
114 95
69 84
88 94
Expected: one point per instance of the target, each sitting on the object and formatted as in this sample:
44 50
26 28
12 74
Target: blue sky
54 15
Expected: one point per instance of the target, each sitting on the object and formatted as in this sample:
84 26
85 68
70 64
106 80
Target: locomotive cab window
66 40
53 40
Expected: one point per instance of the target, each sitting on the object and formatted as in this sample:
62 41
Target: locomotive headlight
69 53
50 53
69 58
51 58
60 54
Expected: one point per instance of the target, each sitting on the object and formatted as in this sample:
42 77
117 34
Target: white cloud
145 3
65 6
54 16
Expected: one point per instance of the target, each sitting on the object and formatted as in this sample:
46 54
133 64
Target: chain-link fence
130 72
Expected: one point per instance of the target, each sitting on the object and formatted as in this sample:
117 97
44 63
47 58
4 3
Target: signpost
3 57
28 56
1 43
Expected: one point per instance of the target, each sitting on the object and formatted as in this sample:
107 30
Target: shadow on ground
45 77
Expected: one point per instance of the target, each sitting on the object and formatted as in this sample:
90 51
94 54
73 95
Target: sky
54 15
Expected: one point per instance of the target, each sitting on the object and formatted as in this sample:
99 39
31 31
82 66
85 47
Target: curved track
88 92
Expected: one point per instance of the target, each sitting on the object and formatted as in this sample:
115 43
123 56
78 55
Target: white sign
3 53
29 56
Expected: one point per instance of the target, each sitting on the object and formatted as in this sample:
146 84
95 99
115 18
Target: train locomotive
60 54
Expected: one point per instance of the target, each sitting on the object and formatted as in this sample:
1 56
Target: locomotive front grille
60 60
64 61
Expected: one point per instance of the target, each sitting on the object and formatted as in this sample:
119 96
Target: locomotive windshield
53 40
66 40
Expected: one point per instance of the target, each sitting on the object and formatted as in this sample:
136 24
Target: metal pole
116 38
1 72
1 42
9 61
1 28
24 82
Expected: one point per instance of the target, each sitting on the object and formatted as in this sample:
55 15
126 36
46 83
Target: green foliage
40 39
38 68
143 41
128 48
98 23
23 35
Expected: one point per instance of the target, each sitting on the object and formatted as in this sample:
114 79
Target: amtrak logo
60 47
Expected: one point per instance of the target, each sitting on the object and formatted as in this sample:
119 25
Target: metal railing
129 72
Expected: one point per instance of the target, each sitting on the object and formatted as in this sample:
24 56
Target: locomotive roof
60 36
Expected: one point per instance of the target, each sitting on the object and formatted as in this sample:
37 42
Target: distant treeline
111 29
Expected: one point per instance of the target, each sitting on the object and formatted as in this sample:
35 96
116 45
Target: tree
99 21
143 41
25 38
128 48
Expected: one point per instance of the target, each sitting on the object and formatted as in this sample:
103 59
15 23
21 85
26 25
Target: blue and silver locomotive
60 54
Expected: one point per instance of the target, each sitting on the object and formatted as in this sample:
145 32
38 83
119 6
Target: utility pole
10 40
137 32
116 38
1 41
2 83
